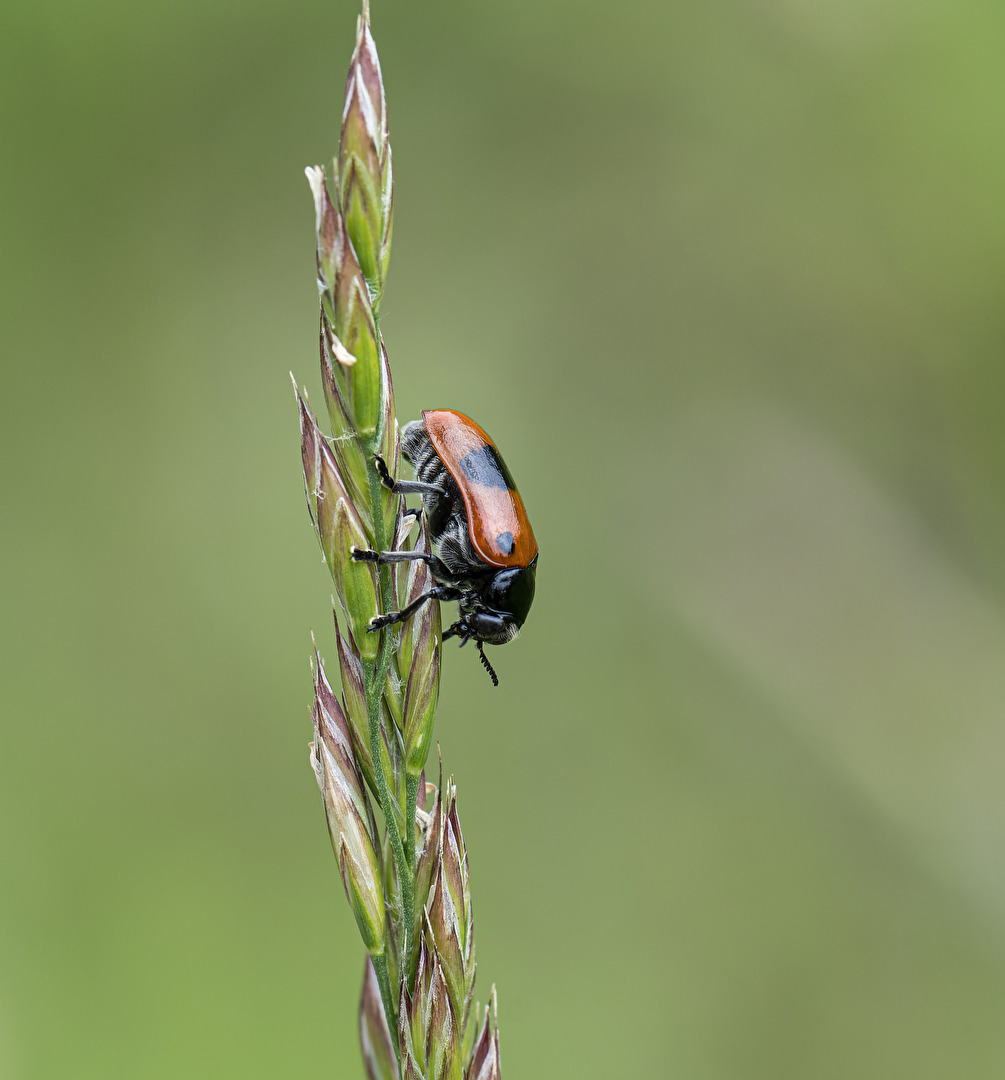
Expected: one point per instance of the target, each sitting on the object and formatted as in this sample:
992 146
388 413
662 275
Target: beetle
484 554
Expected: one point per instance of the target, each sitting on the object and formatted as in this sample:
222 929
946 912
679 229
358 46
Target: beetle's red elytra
497 519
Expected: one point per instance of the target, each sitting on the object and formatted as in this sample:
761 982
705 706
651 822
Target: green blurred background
725 283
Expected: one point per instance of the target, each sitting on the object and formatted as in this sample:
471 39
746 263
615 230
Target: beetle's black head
510 593
495 611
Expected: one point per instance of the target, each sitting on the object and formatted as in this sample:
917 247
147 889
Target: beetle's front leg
388 558
404 487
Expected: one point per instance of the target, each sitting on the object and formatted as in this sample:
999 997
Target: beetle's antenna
488 667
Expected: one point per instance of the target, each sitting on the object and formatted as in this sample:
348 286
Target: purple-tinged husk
349 823
375 1040
364 161
484 1062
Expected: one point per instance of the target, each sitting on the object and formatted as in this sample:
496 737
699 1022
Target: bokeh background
725 283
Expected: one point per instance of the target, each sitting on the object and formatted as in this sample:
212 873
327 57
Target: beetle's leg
438 592
386 558
459 629
404 487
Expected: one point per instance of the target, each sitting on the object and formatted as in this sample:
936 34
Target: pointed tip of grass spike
307 422
363 166
331 725
366 62
309 439
484 1062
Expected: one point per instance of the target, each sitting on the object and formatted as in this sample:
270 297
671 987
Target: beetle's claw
363 554
382 471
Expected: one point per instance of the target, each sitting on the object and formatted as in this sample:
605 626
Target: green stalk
374 682
411 802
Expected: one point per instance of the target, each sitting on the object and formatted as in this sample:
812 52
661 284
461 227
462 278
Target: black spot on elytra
484 466
505 542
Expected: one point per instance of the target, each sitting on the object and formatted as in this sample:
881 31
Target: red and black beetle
484 551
